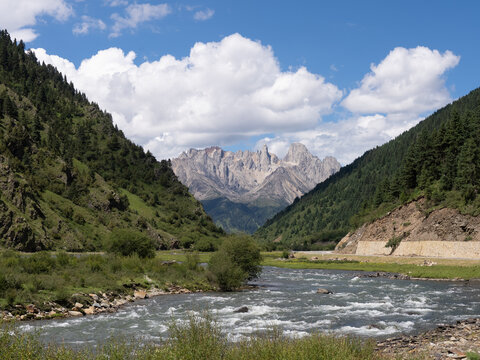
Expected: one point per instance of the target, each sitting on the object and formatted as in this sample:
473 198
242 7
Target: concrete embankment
414 231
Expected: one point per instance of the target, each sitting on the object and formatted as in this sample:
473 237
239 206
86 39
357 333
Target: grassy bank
442 270
200 338
44 277
412 266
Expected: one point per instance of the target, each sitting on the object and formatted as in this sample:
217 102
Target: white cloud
19 16
203 15
114 3
222 92
136 14
88 23
391 99
406 81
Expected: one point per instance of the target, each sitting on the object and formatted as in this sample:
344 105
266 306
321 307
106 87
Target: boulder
31 308
89 311
75 313
323 291
140 294
78 305
242 309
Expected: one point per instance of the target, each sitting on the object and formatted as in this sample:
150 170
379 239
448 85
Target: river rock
31 308
89 311
75 313
323 291
78 305
140 294
94 296
242 309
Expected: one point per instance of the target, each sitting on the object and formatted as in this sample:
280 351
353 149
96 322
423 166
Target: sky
339 76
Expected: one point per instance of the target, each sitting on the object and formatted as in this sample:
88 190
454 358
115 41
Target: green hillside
437 158
239 217
68 176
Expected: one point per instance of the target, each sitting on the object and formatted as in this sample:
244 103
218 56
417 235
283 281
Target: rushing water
286 298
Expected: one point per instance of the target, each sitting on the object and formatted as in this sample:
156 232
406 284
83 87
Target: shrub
229 275
245 253
238 259
128 242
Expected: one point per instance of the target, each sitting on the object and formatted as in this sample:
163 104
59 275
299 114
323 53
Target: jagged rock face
252 177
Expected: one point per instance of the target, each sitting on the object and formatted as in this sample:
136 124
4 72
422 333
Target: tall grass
44 277
200 338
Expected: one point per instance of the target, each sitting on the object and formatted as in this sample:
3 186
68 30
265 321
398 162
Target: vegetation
415 271
128 242
68 175
438 158
43 277
200 338
238 259
237 217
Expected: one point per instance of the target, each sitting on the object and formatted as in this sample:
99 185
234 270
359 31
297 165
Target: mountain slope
241 190
68 176
355 189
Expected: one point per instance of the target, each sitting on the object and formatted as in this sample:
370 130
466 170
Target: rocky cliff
254 179
416 230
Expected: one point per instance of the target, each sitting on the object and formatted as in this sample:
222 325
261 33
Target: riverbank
51 285
410 267
450 341
90 304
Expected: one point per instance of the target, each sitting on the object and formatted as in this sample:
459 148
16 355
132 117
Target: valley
159 203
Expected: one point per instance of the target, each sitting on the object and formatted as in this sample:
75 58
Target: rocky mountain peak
297 154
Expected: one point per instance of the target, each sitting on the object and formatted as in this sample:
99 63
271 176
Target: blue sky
242 73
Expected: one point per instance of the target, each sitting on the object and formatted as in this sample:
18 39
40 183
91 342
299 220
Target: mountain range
240 190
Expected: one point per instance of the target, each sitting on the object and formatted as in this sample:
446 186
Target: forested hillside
68 176
438 158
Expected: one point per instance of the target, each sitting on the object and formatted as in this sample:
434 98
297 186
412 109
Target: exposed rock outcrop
417 232
255 178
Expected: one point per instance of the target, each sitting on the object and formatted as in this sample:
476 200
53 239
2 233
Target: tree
128 242
237 260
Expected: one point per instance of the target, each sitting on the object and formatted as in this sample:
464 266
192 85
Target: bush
127 242
229 275
237 260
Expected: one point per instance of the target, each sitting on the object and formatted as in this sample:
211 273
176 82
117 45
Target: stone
140 294
75 313
242 309
89 311
31 308
323 291
78 305
94 296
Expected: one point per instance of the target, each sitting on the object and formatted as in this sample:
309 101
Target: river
287 298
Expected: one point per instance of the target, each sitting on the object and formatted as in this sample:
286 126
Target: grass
441 271
199 338
43 277
412 266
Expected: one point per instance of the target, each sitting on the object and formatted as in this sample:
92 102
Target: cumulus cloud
19 16
203 15
391 99
88 23
406 81
136 14
222 92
